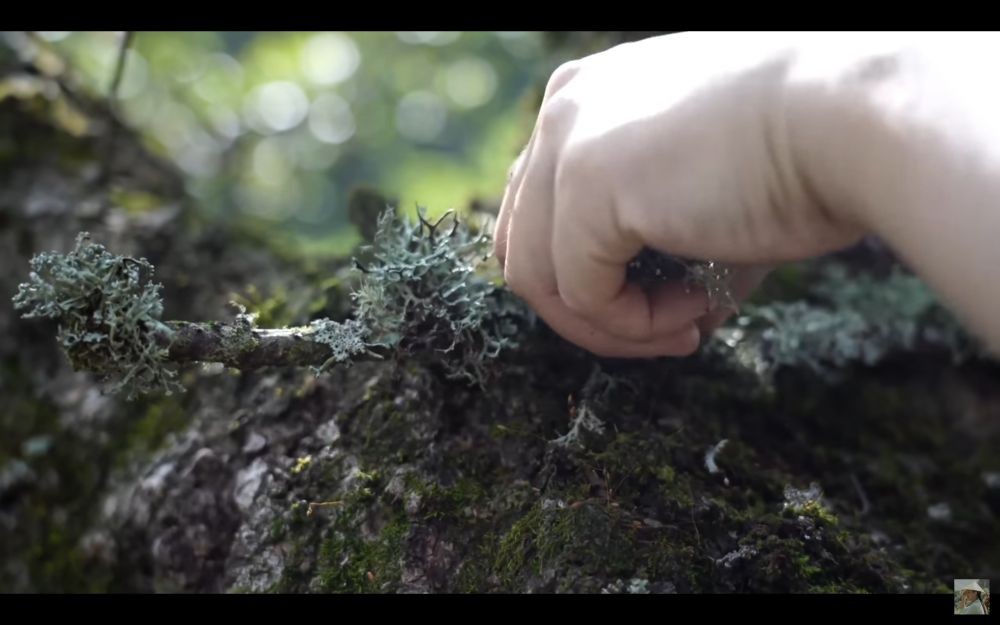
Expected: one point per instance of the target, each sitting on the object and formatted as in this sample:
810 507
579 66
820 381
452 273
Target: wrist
911 153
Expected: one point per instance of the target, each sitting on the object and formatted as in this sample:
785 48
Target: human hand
678 143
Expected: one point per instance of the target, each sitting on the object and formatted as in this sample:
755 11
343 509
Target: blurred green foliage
275 128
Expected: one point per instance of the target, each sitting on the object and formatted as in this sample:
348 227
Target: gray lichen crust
850 319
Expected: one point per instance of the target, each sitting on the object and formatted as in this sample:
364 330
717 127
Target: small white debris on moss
710 464
939 511
583 420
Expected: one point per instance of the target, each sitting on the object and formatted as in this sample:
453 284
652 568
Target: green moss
159 418
452 502
474 575
293 577
505 431
271 311
674 557
819 512
516 547
135 202
836 589
590 536
57 502
279 528
348 563
71 473
666 474
383 422
57 563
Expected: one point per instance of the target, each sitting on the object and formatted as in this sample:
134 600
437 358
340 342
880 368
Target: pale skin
968 597
753 150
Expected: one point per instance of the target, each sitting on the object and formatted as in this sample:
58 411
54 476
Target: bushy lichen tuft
108 313
421 295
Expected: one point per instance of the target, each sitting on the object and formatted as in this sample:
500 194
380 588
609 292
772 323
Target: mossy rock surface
567 474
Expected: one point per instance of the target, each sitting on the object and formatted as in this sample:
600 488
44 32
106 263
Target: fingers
530 273
744 281
515 175
575 329
562 251
501 230
590 254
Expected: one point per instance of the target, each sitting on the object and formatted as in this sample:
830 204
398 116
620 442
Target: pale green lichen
240 336
634 586
863 320
421 295
108 313
583 420
850 319
346 340
797 499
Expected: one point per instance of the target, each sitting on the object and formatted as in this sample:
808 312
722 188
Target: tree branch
243 348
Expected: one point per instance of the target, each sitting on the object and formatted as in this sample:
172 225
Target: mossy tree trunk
569 473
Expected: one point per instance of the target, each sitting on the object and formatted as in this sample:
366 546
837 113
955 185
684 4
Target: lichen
848 319
583 420
345 340
421 296
108 313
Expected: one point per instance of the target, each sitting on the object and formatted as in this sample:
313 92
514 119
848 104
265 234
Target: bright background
275 129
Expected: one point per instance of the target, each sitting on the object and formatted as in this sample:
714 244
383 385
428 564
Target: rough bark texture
570 474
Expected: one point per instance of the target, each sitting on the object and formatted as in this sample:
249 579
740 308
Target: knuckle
560 77
579 163
555 114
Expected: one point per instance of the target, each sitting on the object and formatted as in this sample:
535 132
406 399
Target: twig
116 79
316 505
865 505
693 521
123 47
246 349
